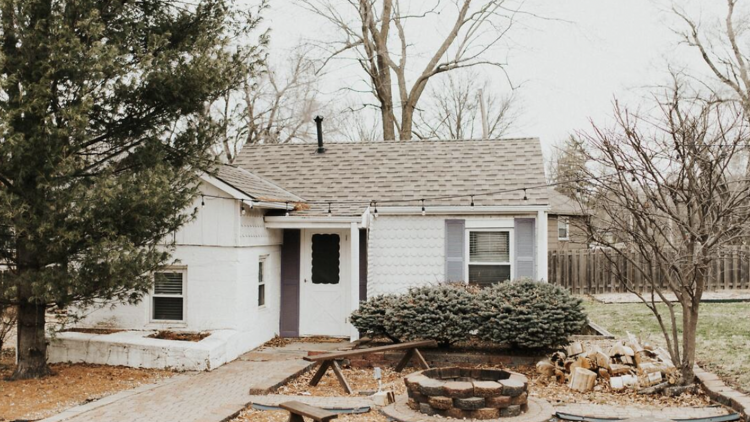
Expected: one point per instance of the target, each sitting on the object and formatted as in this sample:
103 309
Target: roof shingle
400 173
253 185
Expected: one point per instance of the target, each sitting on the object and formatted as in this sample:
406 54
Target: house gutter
312 222
442 210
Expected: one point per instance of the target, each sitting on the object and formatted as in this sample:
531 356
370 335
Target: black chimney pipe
319 124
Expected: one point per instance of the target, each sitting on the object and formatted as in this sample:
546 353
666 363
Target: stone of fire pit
499 401
458 390
467 393
487 389
431 387
512 387
472 403
442 403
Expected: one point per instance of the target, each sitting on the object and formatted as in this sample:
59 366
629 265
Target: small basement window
563 229
262 281
489 257
168 298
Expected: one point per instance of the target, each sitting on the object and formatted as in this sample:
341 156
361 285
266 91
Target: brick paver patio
201 397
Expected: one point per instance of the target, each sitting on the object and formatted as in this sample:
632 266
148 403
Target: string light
374 204
242 207
329 210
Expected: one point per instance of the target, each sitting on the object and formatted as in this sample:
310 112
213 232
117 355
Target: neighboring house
290 240
565 223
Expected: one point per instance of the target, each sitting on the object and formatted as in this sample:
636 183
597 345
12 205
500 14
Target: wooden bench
328 360
297 410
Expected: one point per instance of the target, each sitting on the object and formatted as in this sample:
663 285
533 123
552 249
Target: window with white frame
563 228
168 300
489 256
262 281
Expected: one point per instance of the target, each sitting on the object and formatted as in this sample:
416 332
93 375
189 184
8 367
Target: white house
292 238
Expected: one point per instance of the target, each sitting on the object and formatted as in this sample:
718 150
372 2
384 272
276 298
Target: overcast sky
570 68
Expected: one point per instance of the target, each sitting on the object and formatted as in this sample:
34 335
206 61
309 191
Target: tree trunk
32 346
407 122
389 132
690 327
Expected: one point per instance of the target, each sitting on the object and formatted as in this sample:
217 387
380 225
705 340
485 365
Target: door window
325 258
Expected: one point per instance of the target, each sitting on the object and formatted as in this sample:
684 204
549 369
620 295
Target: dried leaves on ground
179 336
283 341
360 379
282 416
72 384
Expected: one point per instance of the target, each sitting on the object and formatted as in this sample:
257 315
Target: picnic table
328 360
297 410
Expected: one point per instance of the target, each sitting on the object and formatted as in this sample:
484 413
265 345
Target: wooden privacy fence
589 271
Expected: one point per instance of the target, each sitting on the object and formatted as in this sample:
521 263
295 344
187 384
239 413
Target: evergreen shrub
529 315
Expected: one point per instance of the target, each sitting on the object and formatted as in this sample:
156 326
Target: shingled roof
403 171
563 205
253 185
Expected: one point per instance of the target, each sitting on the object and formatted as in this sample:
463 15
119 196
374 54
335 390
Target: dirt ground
72 384
251 415
361 380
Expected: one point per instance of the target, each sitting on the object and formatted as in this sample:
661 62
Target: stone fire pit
467 393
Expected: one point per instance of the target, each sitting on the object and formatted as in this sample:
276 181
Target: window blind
489 247
168 284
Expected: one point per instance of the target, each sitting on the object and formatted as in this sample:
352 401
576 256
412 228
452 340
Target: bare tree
276 106
365 29
453 109
664 187
724 50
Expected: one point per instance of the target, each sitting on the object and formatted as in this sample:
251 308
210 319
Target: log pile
625 364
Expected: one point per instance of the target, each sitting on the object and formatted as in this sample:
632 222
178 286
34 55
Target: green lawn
723 341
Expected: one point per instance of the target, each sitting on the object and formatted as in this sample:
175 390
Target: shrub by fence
591 272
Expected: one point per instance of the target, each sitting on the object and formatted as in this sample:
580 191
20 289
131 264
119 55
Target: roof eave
464 209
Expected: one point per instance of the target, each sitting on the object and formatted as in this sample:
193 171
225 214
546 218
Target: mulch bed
360 379
92 330
71 385
179 336
251 415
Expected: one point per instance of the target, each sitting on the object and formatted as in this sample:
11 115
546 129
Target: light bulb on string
424 212
525 198
242 207
287 209
376 209
472 201
203 201
329 210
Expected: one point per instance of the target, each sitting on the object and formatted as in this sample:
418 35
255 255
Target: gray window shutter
454 250
525 248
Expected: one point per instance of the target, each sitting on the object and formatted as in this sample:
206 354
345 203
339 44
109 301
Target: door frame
344 279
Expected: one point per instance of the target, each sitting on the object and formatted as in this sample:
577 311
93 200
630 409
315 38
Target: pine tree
103 131
568 164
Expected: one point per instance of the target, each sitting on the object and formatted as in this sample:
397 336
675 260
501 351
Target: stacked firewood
625 364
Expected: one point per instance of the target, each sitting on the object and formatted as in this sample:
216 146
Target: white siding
219 251
409 251
405 251
254 233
